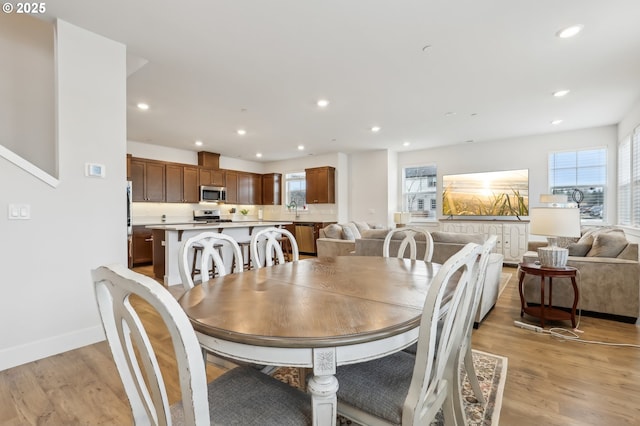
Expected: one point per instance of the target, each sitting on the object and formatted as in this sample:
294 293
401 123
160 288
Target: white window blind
624 182
629 180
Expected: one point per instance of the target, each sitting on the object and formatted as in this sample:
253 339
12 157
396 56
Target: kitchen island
167 240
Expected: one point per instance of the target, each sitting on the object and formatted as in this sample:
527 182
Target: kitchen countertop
215 225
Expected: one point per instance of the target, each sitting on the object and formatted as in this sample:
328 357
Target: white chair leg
471 374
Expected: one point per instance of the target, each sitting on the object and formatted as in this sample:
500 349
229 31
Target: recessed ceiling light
375 129
406 143
258 154
199 143
301 147
143 106
569 31
450 113
556 122
242 132
323 103
560 93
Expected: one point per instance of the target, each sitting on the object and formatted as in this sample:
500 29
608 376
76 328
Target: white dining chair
242 395
409 241
405 389
266 246
466 356
212 247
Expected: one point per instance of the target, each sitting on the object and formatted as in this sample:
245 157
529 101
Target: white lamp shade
555 222
402 217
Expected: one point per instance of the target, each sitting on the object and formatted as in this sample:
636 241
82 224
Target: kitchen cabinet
211 177
147 180
321 185
181 183
232 187
271 184
243 188
141 245
210 160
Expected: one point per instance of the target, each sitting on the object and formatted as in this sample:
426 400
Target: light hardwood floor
549 382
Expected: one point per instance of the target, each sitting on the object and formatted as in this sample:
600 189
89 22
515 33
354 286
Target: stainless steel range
208 216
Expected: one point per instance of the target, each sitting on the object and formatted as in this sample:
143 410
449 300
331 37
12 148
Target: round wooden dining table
317 313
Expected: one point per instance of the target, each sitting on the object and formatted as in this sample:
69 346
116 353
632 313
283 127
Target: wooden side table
548 312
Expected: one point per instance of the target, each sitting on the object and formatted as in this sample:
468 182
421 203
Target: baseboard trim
19 355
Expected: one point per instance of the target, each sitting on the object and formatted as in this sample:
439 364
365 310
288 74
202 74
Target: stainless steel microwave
213 194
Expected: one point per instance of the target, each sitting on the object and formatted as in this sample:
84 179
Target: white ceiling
216 66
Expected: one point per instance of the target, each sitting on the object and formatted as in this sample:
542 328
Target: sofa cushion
579 250
456 237
608 244
333 231
375 233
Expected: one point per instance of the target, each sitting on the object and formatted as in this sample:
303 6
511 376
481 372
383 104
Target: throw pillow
608 244
333 231
589 233
347 234
578 250
362 226
354 229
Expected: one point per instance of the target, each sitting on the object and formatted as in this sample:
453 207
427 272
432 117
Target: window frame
289 178
585 216
432 190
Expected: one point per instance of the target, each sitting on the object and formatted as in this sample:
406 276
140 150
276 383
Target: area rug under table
492 374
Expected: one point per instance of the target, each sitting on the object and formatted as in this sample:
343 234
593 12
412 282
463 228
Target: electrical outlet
528 326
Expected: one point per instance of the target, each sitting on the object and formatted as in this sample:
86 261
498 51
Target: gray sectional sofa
608 275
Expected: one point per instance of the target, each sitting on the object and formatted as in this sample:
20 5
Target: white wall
529 152
27 116
373 186
48 305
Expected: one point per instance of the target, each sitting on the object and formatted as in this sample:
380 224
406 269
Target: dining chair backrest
437 355
409 241
266 246
213 247
133 354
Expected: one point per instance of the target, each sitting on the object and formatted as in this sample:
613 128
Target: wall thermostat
94 170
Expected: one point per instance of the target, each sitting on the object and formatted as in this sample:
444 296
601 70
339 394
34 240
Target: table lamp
401 218
553 222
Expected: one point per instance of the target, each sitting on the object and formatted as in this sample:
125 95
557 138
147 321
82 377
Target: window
629 180
581 175
295 189
419 191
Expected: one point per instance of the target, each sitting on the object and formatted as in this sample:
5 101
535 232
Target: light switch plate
19 211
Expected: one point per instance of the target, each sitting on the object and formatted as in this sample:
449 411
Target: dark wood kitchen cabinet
147 180
232 187
271 184
141 245
243 188
181 183
212 177
321 185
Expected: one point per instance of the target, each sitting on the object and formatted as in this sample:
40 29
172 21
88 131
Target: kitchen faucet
295 208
